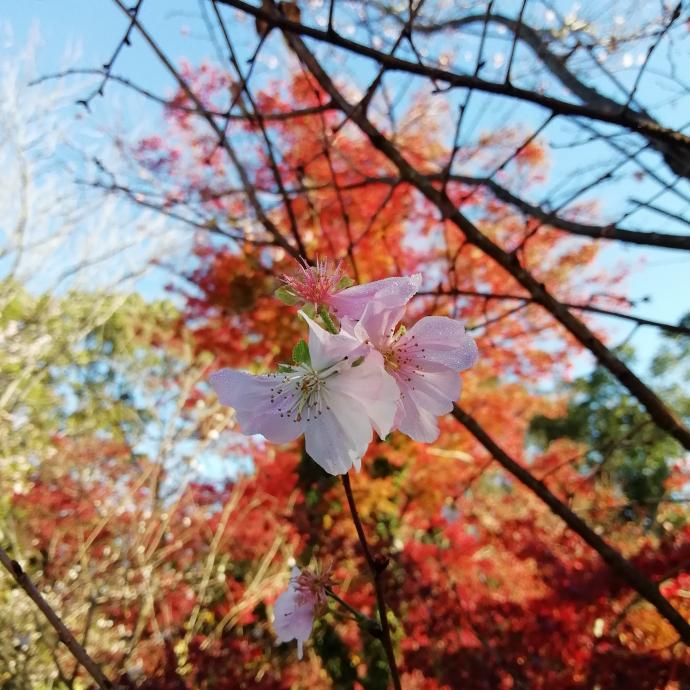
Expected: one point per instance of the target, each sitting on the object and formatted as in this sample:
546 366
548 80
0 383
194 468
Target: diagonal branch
632 120
66 637
618 564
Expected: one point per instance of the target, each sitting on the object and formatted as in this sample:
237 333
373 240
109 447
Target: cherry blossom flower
424 360
296 608
334 399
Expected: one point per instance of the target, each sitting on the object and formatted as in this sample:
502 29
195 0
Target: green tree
624 446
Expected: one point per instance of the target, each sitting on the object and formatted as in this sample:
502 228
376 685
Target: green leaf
286 296
300 353
345 282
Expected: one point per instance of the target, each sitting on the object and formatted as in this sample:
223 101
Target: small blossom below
296 608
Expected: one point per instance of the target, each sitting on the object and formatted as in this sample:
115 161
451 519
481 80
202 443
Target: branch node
380 563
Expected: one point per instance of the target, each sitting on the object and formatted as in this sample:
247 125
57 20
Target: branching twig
657 409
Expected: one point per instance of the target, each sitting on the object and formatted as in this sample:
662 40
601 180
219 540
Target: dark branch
632 120
618 564
640 320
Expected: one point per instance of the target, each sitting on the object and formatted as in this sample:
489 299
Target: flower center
316 283
311 586
301 392
390 360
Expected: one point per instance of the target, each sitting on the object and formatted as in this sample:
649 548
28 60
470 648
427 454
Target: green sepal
358 361
286 296
300 353
345 282
309 310
285 368
327 320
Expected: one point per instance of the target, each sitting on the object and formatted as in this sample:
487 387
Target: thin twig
78 652
368 624
377 565
636 122
678 329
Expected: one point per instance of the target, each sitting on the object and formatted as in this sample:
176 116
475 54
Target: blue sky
95 26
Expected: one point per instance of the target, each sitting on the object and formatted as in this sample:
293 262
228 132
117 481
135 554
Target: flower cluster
367 374
371 375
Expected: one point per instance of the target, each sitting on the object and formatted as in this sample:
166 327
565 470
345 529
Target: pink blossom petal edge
389 292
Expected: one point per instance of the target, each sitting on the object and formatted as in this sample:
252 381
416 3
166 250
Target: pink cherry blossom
294 612
319 285
424 361
295 609
334 400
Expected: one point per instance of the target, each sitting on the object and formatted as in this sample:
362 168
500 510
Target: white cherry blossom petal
256 408
326 349
415 421
370 386
432 391
338 439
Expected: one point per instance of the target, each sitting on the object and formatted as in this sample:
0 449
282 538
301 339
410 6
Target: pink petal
389 292
293 616
416 422
258 407
424 396
443 341
378 324
433 391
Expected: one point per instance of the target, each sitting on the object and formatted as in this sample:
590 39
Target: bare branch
618 564
635 122
79 653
